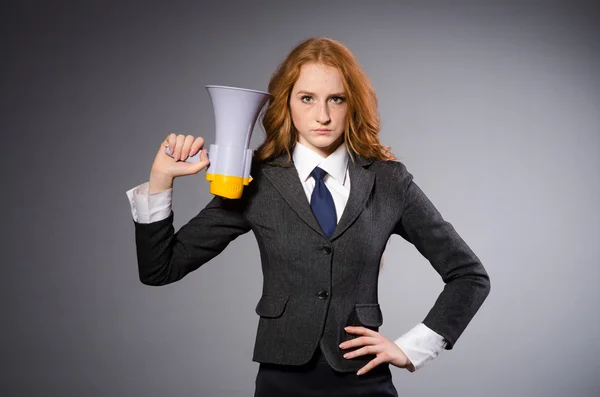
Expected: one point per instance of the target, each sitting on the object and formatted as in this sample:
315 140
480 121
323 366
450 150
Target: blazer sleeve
467 283
164 256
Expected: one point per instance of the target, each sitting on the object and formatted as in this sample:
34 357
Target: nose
323 114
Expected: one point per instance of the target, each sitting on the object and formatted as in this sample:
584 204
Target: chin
325 140
322 144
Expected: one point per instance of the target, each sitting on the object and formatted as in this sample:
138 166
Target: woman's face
318 106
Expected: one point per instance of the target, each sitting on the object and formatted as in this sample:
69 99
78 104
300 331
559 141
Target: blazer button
323 294
326 250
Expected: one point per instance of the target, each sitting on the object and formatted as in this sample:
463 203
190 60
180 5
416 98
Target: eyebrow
313 94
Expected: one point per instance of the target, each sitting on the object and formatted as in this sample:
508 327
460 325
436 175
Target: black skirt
317 378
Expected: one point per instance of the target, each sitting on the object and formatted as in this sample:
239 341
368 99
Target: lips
322 131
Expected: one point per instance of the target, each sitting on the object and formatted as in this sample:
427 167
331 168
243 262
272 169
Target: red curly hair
362 122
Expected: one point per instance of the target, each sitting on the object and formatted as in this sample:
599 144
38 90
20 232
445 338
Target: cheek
294 114
340 115
299 115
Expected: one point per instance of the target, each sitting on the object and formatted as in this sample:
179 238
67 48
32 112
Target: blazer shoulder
393 168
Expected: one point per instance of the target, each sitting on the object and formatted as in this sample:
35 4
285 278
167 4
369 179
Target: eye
338 100
306 98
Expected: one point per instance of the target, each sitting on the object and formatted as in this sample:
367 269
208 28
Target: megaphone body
235 111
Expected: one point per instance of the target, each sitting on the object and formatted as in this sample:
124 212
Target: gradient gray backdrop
493 106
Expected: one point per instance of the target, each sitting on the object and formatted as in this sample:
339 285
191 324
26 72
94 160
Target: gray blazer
314 286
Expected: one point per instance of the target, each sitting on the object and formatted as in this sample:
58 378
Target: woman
320 239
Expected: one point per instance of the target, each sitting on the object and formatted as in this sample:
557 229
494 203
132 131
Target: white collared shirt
420 344
335 165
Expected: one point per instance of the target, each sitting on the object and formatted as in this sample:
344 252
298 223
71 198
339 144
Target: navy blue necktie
322 204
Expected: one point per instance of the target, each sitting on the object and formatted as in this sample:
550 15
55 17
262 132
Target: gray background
493 106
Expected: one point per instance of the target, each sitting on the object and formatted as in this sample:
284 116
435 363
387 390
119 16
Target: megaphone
235 110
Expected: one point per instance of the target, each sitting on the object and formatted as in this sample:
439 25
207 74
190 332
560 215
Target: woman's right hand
166 168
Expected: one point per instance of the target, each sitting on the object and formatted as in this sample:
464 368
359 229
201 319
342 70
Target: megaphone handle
191 159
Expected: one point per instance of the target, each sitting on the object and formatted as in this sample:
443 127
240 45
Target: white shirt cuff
149 208
421 344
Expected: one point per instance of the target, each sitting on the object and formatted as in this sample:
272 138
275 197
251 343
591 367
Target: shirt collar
305 160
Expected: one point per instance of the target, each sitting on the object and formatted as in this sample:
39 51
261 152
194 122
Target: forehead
319 78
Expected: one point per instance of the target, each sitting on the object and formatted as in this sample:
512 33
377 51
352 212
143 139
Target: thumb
202 163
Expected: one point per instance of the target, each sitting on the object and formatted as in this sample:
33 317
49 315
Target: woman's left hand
375 343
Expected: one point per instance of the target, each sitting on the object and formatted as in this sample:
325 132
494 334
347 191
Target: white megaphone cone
236 111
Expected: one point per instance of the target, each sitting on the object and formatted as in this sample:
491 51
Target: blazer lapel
361 185
284 178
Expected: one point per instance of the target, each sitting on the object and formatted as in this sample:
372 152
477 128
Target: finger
164 145
170 140
360 341
370 349
197 145
370 365
178 145
358 330
187 145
